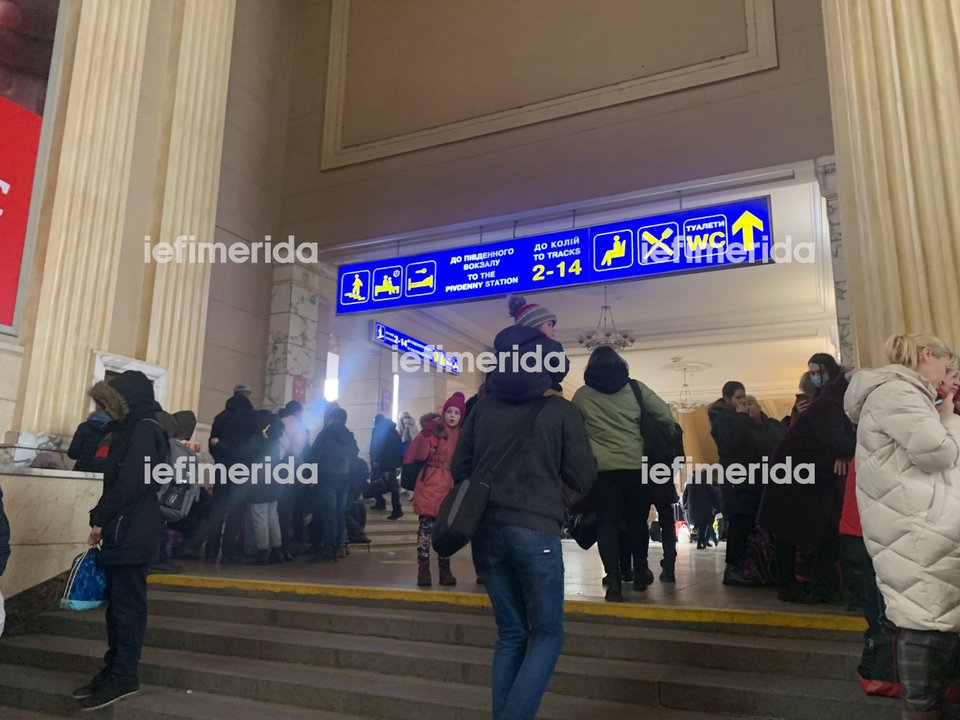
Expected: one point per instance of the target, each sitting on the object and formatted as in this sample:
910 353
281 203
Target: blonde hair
905 350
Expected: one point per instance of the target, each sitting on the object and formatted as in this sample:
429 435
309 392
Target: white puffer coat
908 492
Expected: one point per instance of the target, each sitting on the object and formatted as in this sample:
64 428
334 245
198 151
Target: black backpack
410 472
661 445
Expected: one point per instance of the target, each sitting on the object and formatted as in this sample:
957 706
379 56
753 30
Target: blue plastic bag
87 584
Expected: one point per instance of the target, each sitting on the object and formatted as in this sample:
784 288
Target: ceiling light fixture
605 334
685 402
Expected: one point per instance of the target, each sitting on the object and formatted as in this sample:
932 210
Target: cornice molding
761 54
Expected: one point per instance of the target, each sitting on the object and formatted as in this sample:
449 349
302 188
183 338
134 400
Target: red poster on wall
299 389
19 139
27 32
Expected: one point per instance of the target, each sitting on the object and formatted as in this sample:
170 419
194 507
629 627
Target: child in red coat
435 445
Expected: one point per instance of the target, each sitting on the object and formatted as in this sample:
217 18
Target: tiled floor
699 574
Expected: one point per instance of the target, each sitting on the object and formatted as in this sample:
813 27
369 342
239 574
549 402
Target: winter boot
667 571
733 578
614 589
642 578
446 577
423 575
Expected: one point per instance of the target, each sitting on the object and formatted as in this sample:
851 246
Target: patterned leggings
928 663
423 541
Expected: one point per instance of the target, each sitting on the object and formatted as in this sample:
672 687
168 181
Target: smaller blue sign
401 342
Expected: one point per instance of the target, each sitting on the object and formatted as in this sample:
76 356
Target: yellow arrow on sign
746 224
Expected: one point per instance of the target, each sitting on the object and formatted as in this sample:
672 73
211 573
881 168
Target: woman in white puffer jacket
908 492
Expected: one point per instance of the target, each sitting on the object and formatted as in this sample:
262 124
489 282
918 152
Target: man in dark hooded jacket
227 497
386 456
332 452
240 400
127 523
518 542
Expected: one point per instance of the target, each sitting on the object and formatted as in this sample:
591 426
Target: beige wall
48 523
756 120
251 183
10 363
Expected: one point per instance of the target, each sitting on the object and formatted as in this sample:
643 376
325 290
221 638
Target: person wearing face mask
435 444
908 493
822 368
805 516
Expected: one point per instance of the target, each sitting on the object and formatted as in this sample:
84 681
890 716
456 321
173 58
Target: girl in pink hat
435 445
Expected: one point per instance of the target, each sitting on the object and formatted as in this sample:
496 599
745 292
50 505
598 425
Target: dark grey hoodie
528 489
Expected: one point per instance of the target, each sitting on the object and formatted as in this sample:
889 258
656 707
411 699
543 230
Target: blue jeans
332 507
523 571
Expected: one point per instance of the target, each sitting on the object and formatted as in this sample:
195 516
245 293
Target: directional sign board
404 343
713 237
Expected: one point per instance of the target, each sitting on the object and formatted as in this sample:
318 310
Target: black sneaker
115 688
395 515
92 687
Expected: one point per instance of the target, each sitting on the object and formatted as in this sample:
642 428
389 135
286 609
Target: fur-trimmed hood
129 396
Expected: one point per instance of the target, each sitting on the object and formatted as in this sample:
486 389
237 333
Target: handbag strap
528 421
635 386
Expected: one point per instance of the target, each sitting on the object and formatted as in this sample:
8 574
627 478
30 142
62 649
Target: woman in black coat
128 526
744 436
806 517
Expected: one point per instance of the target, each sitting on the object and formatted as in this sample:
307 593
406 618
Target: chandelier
605 334
685 402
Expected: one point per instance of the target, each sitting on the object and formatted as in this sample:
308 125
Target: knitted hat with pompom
529 314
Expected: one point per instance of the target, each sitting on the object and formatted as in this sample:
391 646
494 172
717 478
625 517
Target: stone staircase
237 654
392 533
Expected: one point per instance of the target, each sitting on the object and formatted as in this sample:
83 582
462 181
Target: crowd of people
877 522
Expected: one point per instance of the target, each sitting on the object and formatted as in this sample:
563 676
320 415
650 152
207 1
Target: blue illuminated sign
404 343
718 236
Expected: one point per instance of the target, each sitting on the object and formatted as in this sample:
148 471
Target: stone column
895 100
296 344
93 198
181 289
827 177
87 215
